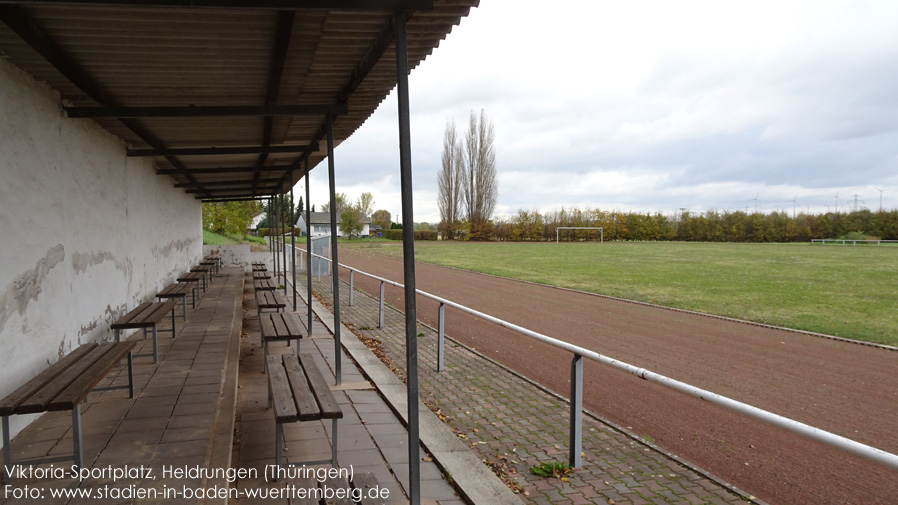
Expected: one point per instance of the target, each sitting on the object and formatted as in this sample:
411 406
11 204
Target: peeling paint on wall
110 315
27 287
175 246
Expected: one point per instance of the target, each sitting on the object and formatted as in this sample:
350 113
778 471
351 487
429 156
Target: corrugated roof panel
163 57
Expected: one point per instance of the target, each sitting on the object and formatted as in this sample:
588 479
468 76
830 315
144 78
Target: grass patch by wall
211 238
845 291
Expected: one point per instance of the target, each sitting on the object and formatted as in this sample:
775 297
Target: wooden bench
206 270
259 266
214 261
196 279
280 327
261 274
297 391
179 291
264 285
147 316
270 300
63 386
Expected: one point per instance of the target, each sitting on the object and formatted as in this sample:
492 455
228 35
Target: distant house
321 224
257 219
375 230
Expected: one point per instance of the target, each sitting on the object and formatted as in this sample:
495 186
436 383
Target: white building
321 224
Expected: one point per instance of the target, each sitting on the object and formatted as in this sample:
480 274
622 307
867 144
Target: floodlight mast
601 231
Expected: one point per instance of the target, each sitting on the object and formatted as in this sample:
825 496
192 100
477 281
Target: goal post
601 232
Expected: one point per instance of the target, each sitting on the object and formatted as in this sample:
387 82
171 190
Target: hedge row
264 232
419 235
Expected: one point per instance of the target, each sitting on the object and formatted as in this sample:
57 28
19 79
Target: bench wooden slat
161 311
12 401
280 327
145 315
304 483
281 397
191 277
292 323
112 354
175 290
306 406
366 481
136 314
337 483
267 328
330 409
271 300
40 399
264 285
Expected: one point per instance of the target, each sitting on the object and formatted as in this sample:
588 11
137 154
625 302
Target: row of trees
711 226
230 218
467 183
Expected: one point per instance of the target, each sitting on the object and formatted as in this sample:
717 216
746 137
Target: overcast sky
653 106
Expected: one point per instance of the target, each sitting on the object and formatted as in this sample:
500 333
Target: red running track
845 388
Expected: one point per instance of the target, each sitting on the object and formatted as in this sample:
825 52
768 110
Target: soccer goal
599 228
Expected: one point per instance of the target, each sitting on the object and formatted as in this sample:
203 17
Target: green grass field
839 290
211 238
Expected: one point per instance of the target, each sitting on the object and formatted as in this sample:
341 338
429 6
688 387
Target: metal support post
270 228
7 450
441 337
408 257
309 255
576 429
293 242
284 239
351 285
338 373
76 436
380 312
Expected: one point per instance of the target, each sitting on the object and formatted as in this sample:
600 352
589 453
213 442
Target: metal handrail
858 449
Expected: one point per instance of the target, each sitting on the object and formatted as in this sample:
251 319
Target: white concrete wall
86 232
232 255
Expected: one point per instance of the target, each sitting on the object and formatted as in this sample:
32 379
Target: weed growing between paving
556 469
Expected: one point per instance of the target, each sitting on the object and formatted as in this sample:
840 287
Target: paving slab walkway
181 416
371 438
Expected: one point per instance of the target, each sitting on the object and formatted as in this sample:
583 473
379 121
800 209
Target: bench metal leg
155 348
173 332
76 436
7 450
265 356
334 443
130 376
118 334
278 444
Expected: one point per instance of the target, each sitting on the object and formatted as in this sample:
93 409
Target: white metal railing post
351 285
441 336
380 314
576 428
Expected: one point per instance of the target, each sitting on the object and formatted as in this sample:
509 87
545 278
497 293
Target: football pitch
846 291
